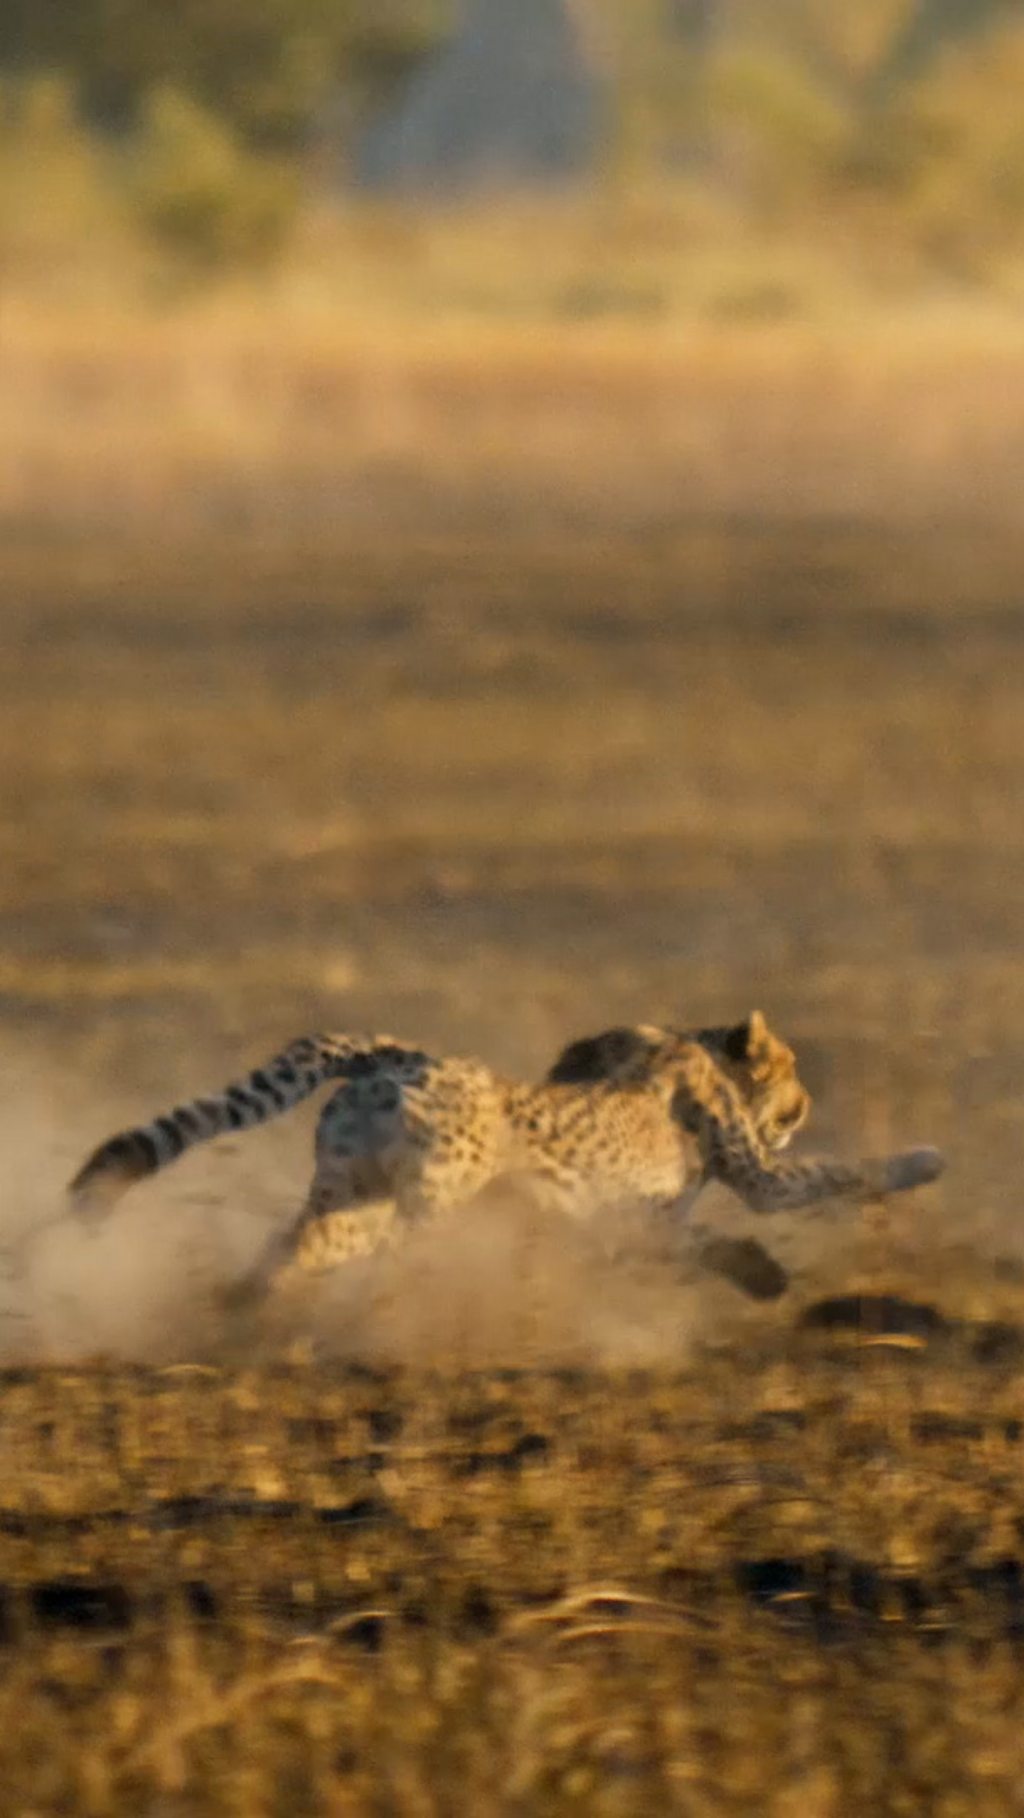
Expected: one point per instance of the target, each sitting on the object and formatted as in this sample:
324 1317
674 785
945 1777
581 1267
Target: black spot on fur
687 1111
262 1084
393 1054
169 1129
140 1141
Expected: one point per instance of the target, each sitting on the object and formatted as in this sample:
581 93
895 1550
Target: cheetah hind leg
343 1218
328 1240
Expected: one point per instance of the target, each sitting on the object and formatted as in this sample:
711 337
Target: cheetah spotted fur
640 1117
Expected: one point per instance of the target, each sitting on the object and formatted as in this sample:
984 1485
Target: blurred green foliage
203 112
963 168
267 66
212 122
907 112
199 190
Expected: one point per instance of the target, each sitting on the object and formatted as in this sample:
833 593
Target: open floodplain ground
519 1534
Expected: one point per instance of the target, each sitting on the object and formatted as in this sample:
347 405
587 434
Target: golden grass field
521 1534
233 411
788 1581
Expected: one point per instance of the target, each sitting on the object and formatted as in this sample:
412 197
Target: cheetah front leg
766 1185
733 1153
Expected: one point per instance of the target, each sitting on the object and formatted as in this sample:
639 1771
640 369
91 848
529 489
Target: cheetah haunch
633 1117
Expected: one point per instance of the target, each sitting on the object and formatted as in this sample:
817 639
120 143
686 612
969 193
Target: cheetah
634 1117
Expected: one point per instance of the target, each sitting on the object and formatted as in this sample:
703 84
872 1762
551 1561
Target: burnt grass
786 1579
489 793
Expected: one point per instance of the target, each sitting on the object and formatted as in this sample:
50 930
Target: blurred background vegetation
738 155
295 260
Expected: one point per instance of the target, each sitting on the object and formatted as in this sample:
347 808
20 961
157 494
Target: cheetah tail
268 1091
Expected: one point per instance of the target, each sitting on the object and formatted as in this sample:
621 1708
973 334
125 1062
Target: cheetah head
763 1069
760 1066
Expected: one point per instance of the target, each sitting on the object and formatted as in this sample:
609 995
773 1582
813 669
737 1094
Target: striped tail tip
109 1172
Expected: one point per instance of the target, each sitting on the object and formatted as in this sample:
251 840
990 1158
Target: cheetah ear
738 1043
579 1062
757 1031
748 1038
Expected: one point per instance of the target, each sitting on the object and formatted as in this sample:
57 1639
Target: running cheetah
642 1116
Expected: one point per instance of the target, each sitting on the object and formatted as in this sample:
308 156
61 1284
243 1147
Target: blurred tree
654 49
213 108
839 46
699 76
777 134
198 191
266 65
931 26
961 128
52 173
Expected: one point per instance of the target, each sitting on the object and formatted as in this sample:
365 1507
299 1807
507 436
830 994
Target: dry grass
359 1592
248 411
